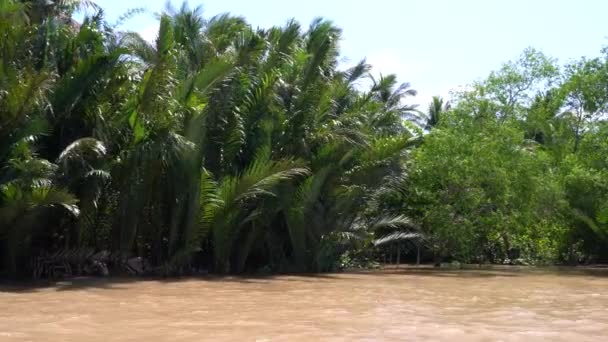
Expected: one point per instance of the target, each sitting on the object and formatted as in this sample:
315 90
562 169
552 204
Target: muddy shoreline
463 269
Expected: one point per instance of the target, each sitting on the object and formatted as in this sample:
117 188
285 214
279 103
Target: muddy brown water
404 305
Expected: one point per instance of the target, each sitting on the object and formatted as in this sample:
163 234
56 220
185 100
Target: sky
435 45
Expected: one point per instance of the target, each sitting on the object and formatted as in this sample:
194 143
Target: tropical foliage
233 148
516 169
217 144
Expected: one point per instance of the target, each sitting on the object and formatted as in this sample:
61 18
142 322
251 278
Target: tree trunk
398 254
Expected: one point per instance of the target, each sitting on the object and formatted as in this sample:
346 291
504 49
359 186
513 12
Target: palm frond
82 148
393 222
396 237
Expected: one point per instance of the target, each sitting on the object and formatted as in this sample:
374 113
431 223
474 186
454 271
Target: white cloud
390 62
407 70
149 33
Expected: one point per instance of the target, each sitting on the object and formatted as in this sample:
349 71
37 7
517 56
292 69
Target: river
404 305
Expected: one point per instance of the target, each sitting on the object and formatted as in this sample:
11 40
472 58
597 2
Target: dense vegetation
232 148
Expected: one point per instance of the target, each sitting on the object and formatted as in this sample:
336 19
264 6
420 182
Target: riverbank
498 267
405 269
464 269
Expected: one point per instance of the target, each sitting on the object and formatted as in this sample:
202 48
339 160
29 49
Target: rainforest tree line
235 148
